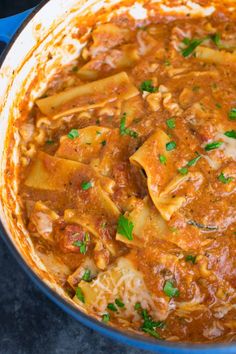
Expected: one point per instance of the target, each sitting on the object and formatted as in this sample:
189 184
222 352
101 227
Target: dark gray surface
29 322
32 324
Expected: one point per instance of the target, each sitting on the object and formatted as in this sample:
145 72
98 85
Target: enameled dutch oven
40 40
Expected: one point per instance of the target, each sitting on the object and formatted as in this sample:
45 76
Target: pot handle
9 25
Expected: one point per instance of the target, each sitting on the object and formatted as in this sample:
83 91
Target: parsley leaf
183 170
73 134
103 142
216 39
194 161
232 114
126 131
106 317
119 303
224 179
125 227
87 275
148 86
162 159
214 145
170 123
231 134
86 185
171 145
82 244
112 307
192 44
79 294
149 326
190 258
170 290
49 142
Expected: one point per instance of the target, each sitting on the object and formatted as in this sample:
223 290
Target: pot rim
115 334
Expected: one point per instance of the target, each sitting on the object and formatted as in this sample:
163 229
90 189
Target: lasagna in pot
128 176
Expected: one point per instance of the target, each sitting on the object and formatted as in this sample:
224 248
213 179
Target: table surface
30 322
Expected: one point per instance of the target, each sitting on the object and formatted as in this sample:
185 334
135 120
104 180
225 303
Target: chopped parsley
137 306
224 179
190 258
194 161
73 134
149 326
87 275
86 185
191 45
213 146
98 132
183 170
106 317
162 159
112 307
171 145
216 39
170 123
170 290
103 142
82 244
119 303
126 131
79 294
125 227
167 62
148 86
49 142
232 114
231 134
75 69
218 105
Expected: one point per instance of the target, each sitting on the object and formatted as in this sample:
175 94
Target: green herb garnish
162 159
232 114
125 227
171 145
196 88
194 161
73 134
213 146
231 134
87 275
119 303
224 179
103 142
170 290
49 142
126 131
192 44
112 307
79 294
82 244
75 69
149 326
167 62
218 105
170 123
106 317
137 306
216 39
190 258
183 170
86 185
148 86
